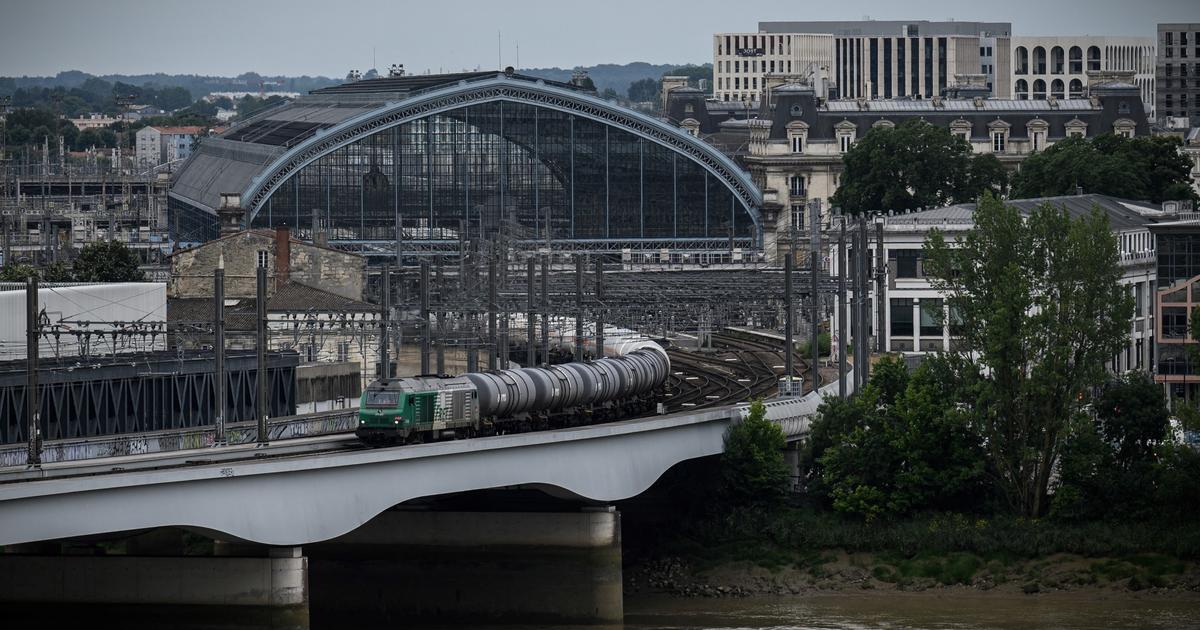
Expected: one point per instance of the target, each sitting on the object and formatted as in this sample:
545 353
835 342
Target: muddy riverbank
955 573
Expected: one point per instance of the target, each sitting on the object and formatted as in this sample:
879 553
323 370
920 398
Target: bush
753 470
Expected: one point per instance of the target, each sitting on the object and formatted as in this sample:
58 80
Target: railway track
738 370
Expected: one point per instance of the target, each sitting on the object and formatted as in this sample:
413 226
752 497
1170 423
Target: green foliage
753 469
1148 167
17 272
824 342
904 445
608 94
1041 311
1177 483
1108 466
914 165
644 90
107 261
1003 539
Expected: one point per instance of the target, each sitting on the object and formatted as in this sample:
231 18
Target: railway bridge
324 504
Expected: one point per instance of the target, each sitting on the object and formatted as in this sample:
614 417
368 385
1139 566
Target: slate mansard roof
1107 103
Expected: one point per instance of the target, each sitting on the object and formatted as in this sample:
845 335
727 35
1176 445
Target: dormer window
962 129
998 130
1076 128
797 134
1124 127
846 132
1037 130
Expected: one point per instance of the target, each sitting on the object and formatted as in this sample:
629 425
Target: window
1076 60
798 216
1076 89
998 141
796 186
902 317
797 144
905 261
1174 324
343 351
844 142
263 258
1039 60
931 317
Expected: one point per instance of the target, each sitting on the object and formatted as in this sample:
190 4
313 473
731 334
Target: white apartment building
158 145
865 59
1057 66
916 317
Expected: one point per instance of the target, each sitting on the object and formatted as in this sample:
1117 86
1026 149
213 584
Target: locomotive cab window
380 398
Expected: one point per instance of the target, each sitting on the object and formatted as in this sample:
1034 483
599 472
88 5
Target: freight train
410 410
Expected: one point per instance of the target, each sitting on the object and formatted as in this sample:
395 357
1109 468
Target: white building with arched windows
1058 65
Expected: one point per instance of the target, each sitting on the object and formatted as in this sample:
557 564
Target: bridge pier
533 567
156 590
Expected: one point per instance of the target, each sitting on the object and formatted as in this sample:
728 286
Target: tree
1039 309
644 90
1109 462
911 447
609 94
1150 168
16 272
752 465
914 165
107 261
171 99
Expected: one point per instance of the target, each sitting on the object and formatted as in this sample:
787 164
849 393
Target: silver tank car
507 393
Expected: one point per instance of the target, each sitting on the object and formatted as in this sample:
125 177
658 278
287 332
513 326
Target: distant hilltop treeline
617 77
197 85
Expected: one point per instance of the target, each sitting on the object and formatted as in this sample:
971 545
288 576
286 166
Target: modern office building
434 161
1175 301
793 141
1058 66
1177 74
862 59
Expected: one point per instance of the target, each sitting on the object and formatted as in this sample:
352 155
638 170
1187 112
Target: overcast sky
329 37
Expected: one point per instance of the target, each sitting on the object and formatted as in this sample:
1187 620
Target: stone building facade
315 300
793 142
286 260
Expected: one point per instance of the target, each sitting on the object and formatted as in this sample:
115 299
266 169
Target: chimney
283 255
230 213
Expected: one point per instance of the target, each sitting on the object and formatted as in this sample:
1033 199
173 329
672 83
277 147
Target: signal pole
261 347
33 402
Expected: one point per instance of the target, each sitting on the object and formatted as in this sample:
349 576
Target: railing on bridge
308 425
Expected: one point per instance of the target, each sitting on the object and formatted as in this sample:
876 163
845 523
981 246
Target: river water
957 611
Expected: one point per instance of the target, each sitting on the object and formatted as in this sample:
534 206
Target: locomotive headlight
395 422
